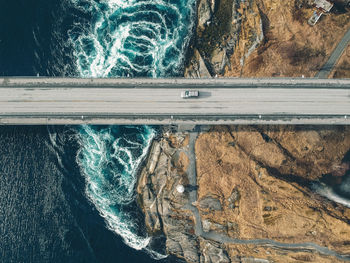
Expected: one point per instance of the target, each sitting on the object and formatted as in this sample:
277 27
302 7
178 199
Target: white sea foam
136 38
111 189
155 254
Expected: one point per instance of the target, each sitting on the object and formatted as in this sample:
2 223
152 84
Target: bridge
72 101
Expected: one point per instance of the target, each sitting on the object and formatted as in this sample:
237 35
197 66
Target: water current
48 174
125 39
95 38
132 38
109 158
45 213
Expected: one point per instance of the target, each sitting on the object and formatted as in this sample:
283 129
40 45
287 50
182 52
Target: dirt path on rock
211 235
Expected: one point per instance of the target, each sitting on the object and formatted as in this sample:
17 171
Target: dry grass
292 48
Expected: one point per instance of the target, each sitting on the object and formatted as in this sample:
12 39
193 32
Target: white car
189 94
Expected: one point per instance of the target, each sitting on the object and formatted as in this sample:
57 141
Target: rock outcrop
162 203
224 28
198 69
210 203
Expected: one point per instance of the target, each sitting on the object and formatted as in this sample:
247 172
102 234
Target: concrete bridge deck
158 101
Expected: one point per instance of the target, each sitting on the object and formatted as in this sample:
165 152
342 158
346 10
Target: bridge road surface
239 102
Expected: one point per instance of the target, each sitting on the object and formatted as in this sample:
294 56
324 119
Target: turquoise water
125 39
109 158
132 38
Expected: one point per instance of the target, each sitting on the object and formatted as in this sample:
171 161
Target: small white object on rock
180 188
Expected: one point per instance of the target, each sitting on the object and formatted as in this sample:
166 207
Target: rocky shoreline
247 194
162 204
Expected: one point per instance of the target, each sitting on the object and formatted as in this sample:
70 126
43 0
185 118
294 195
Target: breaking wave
132 38
109 158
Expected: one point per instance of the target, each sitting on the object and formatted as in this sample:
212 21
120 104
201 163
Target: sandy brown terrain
276 255
261 174
264 38
247 184
291 47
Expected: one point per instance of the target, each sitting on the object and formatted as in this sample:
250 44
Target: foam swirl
133 38
129 38
109 163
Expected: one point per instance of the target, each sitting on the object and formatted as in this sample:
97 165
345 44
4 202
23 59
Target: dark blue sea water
67 194
45 211
94 38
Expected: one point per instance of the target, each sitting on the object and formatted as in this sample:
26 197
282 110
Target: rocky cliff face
254 198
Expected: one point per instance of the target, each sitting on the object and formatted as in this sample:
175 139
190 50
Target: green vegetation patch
219 28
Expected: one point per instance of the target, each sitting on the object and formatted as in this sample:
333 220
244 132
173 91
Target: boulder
234 198
212 253
151 214
153 158
210 203
206 224
202 69
204 13
183 245
197 67
218 60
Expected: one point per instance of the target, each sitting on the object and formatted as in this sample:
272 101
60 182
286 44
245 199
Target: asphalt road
168 101
334 57
222 101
